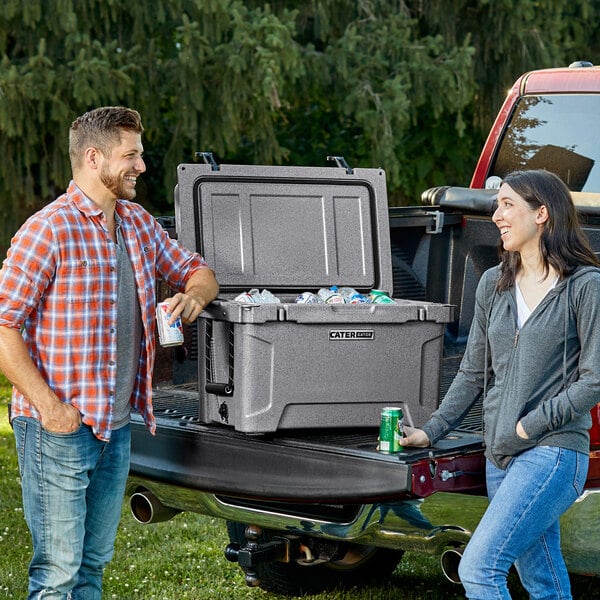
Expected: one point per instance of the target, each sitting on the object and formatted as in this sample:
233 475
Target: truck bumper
428 525
423 525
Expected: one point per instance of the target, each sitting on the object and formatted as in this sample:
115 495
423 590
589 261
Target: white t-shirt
523 311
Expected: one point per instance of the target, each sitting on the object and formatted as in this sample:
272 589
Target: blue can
308 298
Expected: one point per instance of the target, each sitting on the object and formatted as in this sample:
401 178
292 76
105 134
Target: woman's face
520 226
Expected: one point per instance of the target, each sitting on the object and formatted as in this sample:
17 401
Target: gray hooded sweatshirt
547 374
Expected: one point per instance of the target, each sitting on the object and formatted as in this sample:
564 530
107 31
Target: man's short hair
101 128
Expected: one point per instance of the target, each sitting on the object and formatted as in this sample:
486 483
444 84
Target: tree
203 74
406 85
379 92
511 37
454 60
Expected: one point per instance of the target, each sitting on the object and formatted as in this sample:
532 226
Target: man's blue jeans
73 487
521 526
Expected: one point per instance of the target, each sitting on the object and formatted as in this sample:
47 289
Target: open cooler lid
286 229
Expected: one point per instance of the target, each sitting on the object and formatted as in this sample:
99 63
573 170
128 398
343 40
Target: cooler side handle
211 386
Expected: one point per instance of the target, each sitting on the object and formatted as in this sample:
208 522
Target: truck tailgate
325 466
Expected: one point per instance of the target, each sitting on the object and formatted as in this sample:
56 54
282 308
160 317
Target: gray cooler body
269 367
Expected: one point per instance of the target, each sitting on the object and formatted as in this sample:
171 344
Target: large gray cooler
267 367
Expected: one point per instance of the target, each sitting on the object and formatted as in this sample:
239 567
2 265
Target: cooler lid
287 229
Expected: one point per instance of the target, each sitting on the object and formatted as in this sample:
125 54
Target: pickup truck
311 508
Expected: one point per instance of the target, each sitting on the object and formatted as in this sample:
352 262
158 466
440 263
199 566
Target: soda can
351 296
168 335
380 297
358 299
390 430
308 298
330 295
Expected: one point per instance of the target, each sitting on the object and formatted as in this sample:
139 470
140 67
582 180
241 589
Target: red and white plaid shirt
59 283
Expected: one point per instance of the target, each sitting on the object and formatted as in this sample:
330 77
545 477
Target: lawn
183 558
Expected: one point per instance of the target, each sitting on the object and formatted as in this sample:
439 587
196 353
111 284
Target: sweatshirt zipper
516 338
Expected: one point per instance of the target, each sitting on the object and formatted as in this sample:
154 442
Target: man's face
120 171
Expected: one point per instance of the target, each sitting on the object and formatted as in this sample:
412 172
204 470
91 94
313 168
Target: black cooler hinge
209 159
340 161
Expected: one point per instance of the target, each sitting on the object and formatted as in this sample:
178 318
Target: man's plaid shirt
59 284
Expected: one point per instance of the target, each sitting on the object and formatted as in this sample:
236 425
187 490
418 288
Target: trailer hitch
254 553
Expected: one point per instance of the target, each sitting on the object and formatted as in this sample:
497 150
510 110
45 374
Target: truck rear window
558 132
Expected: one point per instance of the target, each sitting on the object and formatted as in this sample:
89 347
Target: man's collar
88 207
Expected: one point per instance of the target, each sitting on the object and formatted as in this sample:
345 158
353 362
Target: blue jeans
73 487
521 526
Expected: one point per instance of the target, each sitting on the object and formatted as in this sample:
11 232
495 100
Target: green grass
183 558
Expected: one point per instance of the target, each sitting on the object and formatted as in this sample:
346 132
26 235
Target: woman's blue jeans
521 526
73 487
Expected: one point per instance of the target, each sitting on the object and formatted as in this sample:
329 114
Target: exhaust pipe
147 508
450 560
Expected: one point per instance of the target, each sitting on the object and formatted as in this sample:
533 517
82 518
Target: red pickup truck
309 505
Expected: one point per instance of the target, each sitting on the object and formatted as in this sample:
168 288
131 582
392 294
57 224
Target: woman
534 353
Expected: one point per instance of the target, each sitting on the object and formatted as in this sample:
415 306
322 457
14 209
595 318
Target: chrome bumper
427 525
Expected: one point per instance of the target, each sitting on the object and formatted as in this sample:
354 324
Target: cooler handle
219 389
214 387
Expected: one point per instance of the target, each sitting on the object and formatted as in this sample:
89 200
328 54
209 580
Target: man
77 341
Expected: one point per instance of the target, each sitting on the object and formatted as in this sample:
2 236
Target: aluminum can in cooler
358 299
390 430
380 297
308 298
168 335
351 296
330 296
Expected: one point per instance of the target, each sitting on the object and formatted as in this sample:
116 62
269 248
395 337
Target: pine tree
407 85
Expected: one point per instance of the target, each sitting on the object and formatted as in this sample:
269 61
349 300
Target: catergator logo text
351 334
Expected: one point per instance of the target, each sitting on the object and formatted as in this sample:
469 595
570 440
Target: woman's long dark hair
563 245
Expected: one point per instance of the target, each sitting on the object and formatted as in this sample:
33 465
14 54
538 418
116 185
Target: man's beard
115 184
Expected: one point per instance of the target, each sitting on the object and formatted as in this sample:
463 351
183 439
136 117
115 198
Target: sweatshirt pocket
507 441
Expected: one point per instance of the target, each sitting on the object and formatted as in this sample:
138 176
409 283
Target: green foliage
376 84
370 82
407 85
511 37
